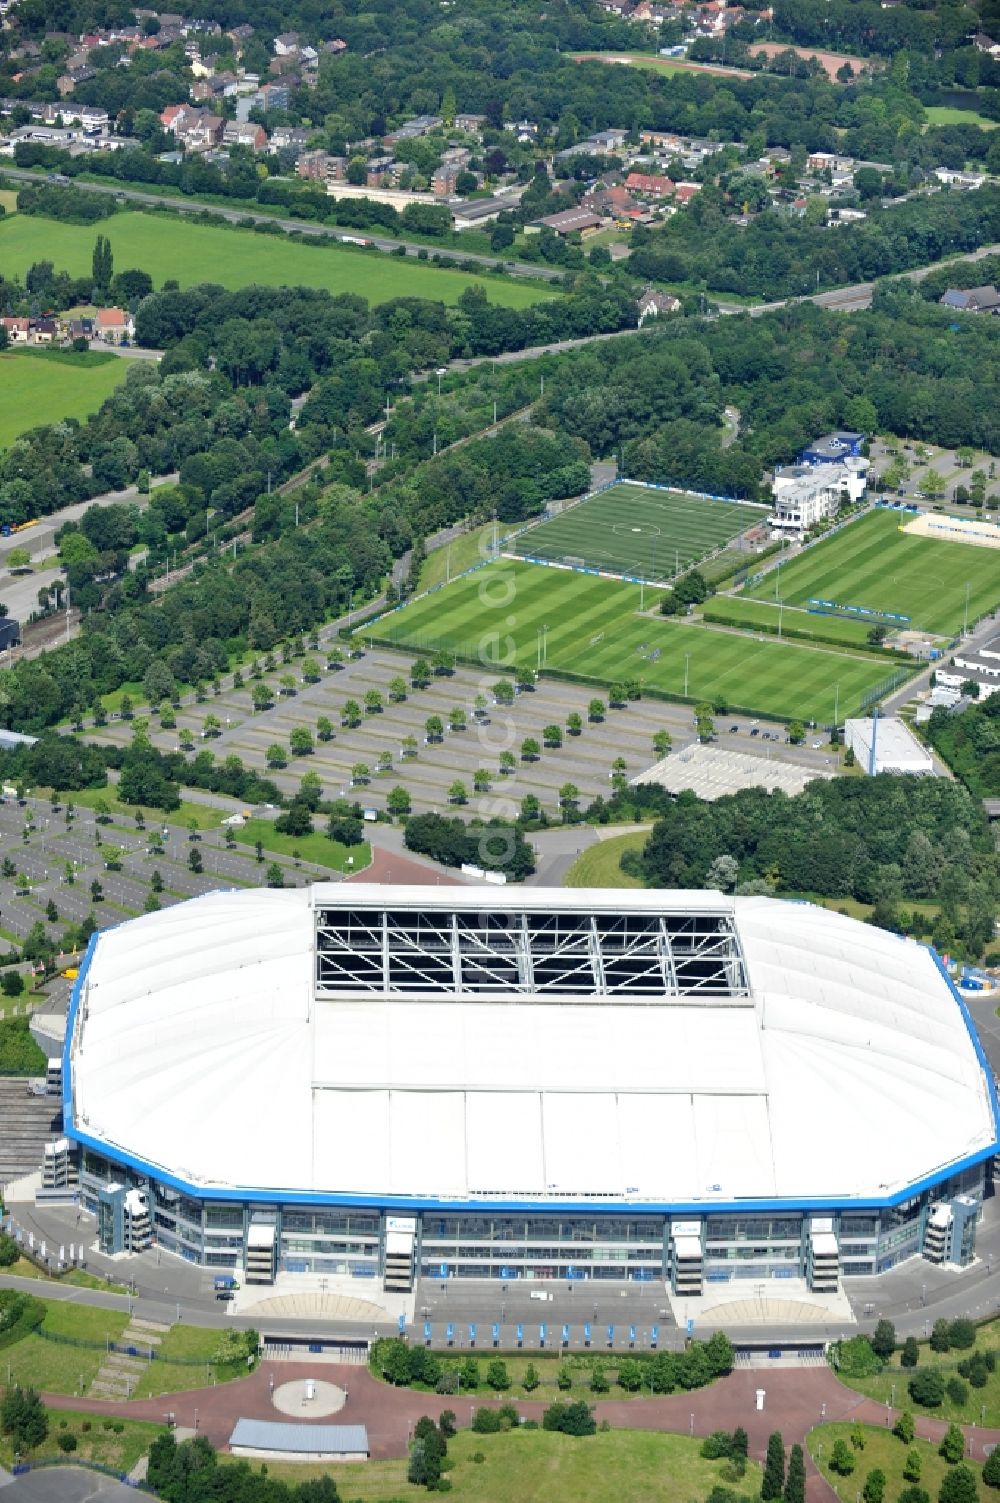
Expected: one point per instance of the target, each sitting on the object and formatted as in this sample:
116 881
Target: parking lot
585 760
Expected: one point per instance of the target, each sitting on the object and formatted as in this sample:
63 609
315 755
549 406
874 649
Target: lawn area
946 114
736 610
95 1440
655 64
470 548
871 563
593 628
35 391
8 200
316 847
890 1386
205 817
882 1451
19 1054
637 530
76 1276
537 1466
598 866
184 1361
60 1366
166 246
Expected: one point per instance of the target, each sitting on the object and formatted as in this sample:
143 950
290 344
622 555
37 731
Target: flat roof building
887 745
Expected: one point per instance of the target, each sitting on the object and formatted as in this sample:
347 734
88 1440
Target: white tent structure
413 1047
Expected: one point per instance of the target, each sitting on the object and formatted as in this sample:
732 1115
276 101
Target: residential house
610 203
972 299
607 142
272 96
293 136
320 166
984 43
335 48
68 81
473 124
653 304
114 326
44 330
198 129
240 36
18 329
524 130
838 216
244 133
453 163
286 43
650 185
78 328
381 172
965 181
684 192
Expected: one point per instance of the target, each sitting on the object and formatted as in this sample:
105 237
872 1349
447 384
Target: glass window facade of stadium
332 1241
752 1247
542 1247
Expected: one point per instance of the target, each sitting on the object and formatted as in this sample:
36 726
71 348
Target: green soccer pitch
635 529
516 614
872 563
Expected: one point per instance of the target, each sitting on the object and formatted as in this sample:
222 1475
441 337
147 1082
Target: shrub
991 1468
67 1441
927 1389
570 1419
959 1486
874 1488
841 1458
958 1392
962 1333
910 1355
952 1446
941 1336
904 1429
564 1379
716 1445
855 1358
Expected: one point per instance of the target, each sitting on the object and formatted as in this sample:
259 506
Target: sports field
578 623
634 529
168 246
871 563
36 390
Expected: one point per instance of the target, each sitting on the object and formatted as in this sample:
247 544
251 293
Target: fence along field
638 530
593 628
873 564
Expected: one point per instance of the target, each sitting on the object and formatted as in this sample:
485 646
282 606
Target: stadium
393 1082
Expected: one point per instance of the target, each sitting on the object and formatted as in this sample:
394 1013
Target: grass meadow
518 614
635 529
746 615
871 563
537 1466
166 246
35 390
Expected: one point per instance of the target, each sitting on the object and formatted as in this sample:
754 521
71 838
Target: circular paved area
293 1398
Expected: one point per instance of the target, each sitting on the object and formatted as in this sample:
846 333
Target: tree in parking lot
796 732
503 691
194 860
324 728
530 749
596 710
275 876
275 755
300 741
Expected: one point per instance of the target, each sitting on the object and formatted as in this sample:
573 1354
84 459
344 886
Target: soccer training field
581 624
872 564
633 529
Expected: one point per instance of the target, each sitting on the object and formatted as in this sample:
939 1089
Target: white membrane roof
839 1066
